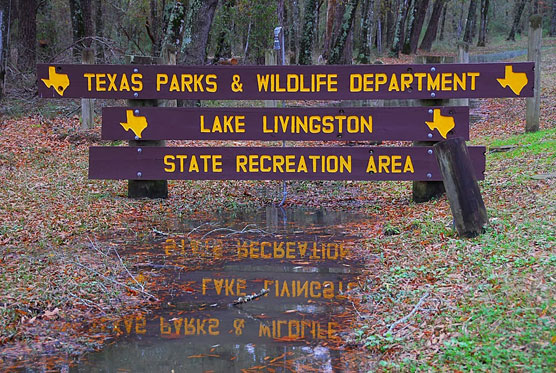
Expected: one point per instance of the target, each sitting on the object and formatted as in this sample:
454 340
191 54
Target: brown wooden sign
340 82
297 124
252 163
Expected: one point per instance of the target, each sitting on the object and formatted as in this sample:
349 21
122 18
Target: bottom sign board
263 163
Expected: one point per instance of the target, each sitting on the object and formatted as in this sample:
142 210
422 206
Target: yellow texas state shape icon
516 81
59 81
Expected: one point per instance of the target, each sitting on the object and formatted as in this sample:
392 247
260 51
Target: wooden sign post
138 186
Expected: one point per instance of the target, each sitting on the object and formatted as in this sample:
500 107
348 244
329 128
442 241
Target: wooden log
534 54
424 191
87 104
145 188
462 189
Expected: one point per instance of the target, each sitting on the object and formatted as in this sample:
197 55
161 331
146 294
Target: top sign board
341 82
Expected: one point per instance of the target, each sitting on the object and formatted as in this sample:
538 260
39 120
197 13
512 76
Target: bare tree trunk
87 9
172 36
99 29
483 24
197 25
400 28
471 16
317 40
430 33
421 7
410 17
27 35
294 31
3 39
154 28
379 36
306 46
223 45
460 21
518 10
553 20
367 14
341 52
330 16
444 10
280 13
390 23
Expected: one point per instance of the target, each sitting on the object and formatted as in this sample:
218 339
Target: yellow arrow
443 124
59 81
136 123
516 81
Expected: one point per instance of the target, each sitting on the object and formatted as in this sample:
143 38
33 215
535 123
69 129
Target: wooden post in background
462 189
2 48
145 188
424 191
534 54
87 104
270 59
462 57
169 58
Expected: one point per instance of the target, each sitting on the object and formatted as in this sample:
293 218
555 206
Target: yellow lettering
160 80
168 161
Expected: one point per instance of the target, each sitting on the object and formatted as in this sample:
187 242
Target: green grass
498 288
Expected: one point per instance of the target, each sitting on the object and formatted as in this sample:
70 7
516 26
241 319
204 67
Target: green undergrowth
491 304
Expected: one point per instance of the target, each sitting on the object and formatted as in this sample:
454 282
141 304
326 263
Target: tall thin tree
432 27
27 34
306 46
483 25
471 17
420 11
519 5
339 48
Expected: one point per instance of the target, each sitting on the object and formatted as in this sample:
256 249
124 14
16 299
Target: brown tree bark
367 15
390 24
223 46
483 23
3 40
82 25
293 27
306 45
330 16
199 23
399 33
471 17
27 35
341 53
518 10
553 20
99 29
419 13
430 33
444 10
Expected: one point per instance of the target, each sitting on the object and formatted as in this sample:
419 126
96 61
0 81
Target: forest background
211 31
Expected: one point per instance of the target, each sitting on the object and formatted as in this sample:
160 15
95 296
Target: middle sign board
293 124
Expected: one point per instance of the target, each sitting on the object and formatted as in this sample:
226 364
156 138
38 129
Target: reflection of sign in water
254 249
279 288
218 324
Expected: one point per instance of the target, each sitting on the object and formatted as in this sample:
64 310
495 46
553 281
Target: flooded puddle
262 290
